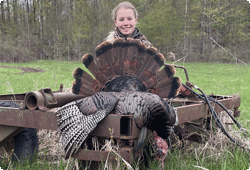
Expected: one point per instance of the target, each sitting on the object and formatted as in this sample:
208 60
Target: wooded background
67 29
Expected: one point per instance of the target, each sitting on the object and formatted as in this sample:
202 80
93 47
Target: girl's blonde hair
126 5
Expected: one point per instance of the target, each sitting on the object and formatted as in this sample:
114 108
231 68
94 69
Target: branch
183 58
228 52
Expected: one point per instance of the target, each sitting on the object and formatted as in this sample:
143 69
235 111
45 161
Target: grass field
219 79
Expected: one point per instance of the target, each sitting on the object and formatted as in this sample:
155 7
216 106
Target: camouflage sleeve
144 40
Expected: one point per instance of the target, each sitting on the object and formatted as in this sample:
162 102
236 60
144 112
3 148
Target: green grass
55 74
38 164
231 160
219 79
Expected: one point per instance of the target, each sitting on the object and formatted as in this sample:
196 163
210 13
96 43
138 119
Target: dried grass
50 149
49 143
218 143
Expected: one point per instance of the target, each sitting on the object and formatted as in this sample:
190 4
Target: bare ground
25 69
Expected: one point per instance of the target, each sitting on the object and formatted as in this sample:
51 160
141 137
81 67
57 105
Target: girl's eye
121 19
129 18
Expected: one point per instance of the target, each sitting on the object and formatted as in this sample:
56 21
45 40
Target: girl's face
125 21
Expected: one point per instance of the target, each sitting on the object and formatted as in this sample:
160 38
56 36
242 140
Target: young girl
125 19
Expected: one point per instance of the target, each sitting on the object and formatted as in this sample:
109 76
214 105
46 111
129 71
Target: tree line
193 30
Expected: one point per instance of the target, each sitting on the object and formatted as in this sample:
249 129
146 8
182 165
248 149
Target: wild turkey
129 79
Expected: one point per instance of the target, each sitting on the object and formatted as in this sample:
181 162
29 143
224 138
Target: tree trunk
39 2
70 11
209 35
27 6
15 11
34 12
219 30
2 11
185 27
8 11
202 48
27 20
185 30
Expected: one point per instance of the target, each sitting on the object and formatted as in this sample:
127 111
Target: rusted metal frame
113 127
229 103
28 118
195 111
8 131
191 112
43 99
6 136
47 119
185 113
126 153
12 97
113 122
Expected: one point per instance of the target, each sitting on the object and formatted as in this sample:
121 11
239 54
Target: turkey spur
127 78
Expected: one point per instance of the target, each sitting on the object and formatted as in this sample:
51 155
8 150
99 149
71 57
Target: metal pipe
45 99
176 66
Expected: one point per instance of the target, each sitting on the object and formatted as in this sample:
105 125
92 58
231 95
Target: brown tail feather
84 83
128 51
150 83
88 61
132 59
105 58
118 58
168 88
162 75
145 59
93 67
132 50
154 61
167 72
137 57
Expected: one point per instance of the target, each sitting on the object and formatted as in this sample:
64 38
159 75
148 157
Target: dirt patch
25 69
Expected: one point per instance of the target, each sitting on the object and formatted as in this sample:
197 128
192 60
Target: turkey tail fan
123 58
134 57
126 58
130 53
166 73
129 62
146 60
93 67
167 88
175 88
84 84
105 58
162 75
164 83
152 62
118 58
89 63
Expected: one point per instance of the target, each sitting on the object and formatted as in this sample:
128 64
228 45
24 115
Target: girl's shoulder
137 36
